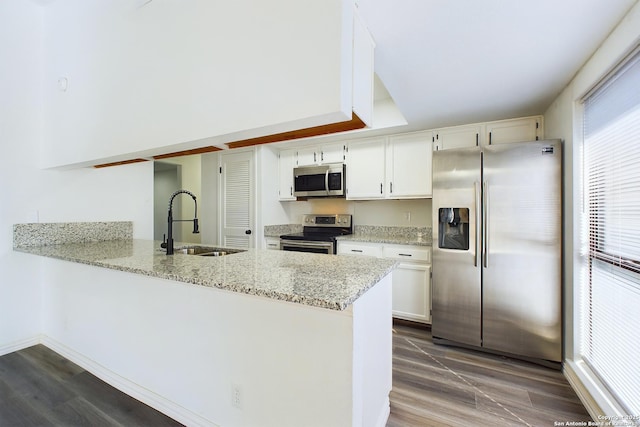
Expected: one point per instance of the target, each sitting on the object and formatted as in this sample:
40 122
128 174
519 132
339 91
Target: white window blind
610 309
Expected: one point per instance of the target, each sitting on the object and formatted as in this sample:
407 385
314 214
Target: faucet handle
163 245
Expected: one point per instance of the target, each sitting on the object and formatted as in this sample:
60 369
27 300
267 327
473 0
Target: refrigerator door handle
485 240
476 198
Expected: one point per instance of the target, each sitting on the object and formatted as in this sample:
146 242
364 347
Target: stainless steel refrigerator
497 227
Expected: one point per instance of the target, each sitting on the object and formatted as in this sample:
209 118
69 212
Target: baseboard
20 345
128 387
587 399
384 414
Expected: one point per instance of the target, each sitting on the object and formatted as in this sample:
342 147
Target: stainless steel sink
207 251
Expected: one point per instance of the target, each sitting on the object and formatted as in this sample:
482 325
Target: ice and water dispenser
453 228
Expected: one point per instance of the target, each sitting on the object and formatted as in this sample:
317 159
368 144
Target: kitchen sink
207 251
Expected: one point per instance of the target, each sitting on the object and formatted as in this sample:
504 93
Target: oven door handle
306 243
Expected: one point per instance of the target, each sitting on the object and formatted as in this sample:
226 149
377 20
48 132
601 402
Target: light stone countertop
327 281
416 236
386 238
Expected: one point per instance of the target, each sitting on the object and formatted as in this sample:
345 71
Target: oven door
307 246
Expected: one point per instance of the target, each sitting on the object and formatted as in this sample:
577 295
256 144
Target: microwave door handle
326 181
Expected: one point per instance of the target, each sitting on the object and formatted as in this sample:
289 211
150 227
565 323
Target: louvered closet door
237 200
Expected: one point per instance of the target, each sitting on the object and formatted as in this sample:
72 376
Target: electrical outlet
236 396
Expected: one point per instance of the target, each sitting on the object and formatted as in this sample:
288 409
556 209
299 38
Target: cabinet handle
405 255
322 156
380 188
314 158
291 191
356 250
489 138
391 187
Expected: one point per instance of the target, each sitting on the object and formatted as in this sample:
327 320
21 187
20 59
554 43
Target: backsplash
43 234
399 232
278 230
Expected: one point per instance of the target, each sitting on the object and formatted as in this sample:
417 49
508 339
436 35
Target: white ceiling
450 62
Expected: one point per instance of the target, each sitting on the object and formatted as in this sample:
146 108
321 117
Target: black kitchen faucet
169 243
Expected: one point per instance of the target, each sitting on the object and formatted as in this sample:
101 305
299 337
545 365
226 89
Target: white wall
30 194
401 213
209 205
151 77
190 179
166 180
563 119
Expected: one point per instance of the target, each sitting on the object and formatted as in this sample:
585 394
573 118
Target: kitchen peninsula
254 338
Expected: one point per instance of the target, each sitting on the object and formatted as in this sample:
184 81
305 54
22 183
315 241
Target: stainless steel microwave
319 181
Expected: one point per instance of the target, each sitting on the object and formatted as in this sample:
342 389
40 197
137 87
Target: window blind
610 306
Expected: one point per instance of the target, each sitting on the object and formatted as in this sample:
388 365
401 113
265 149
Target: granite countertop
332 282
386 238
416 236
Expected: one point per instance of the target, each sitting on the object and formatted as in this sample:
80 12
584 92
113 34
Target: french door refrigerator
497 225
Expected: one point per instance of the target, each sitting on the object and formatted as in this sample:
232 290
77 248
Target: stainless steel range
318 235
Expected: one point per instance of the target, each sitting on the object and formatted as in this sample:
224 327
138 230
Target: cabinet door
456 137
331 154
409 166
408 253
411 294
306 156
272 243
366 168
347 248
286 163
514 130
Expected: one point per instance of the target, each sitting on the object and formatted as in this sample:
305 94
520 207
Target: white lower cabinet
411 279
355 248
272 243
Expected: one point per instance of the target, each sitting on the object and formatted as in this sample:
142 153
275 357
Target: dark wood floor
436 385
432 386
41 388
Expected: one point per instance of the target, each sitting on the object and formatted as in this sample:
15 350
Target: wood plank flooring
432 386
38 387
435 385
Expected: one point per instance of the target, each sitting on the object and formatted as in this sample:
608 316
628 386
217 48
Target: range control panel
341 220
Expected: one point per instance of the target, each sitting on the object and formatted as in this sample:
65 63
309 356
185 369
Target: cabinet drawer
407 253
359 249
272 243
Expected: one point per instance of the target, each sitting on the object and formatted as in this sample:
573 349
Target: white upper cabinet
457 137
366 169
408 169
150 78
286 163
514 130
333 153
398 167
306 156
